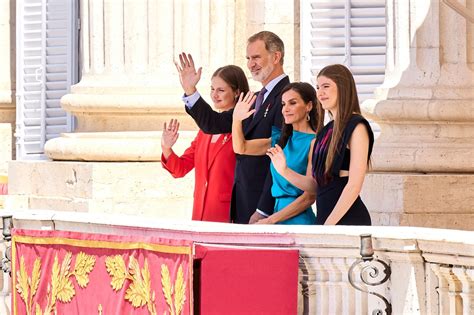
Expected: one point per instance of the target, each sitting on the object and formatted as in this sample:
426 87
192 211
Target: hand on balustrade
255 217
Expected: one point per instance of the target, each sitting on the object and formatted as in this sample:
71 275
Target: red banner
56 272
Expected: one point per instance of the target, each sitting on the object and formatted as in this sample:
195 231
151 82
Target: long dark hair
347 104
308 94
235 77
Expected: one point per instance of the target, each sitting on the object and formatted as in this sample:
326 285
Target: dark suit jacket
251 172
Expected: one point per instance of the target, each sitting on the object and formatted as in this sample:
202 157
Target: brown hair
273 43
347 104
234 76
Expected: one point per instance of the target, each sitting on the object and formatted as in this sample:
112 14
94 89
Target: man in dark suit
251 196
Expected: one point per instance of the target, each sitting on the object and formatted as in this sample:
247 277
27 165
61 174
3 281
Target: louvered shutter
350 32
45 72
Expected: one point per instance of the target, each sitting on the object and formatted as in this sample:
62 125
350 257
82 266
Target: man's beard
263 74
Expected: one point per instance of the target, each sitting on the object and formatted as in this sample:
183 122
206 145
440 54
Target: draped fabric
57 272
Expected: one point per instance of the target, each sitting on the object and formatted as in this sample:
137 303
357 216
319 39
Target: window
349 32
46 68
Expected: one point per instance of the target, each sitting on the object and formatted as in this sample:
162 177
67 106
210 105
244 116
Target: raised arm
359 148
178 166
169 137
208 120
303 182
241 112
188 76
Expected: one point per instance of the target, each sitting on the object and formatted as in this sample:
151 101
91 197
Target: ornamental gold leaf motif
178 291
60 288
139 291
84 265
115 266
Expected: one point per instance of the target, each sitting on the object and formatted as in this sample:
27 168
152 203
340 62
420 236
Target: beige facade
422 162
7 82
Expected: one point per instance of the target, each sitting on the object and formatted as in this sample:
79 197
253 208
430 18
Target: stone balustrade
432 269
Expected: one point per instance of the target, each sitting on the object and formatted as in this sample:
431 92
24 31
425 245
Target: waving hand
242 109
188 76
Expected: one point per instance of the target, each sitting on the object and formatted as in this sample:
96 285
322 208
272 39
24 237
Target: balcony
432 269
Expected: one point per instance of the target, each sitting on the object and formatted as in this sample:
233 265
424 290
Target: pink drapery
83 273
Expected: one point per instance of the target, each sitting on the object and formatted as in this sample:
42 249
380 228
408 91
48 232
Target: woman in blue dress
296 137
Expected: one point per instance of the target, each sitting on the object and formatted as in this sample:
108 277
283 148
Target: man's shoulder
284 81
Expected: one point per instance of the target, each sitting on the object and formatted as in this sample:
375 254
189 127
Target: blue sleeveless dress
296 152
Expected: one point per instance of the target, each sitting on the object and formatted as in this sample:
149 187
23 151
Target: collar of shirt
272 84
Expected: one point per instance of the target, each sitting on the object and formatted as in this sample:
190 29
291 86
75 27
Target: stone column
129 86
423 161
129 82
7 81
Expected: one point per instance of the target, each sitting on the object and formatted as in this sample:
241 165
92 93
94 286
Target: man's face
259 61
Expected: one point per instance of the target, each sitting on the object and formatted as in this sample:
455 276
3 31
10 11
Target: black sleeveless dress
330 186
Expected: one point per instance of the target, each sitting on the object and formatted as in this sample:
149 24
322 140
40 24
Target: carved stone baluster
322 299
442 290
334 279
306 285
432 284
466 276
449 289
347 291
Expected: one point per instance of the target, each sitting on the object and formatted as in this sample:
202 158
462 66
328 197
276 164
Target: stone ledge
429 200
136 146
144 189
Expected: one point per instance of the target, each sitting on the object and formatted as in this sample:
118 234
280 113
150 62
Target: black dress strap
346 136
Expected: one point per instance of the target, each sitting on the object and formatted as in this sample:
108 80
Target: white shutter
45 72
350 32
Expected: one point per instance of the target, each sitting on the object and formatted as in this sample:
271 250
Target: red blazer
214 175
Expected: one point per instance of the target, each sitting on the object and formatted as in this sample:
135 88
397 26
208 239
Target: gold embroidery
26 286
139 292
162 248
84 265
116 268
60 288
179 289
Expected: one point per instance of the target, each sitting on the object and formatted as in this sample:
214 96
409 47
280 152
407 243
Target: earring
307 117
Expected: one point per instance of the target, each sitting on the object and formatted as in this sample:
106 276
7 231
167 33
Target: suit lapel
267 105
223 139
205 151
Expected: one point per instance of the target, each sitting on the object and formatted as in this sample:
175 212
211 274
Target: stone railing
432 269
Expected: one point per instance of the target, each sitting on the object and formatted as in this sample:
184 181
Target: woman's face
326 91
222 94
294 109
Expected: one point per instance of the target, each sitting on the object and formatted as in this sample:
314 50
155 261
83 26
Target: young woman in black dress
341 153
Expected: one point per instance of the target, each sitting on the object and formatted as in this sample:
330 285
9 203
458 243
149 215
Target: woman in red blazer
211 156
